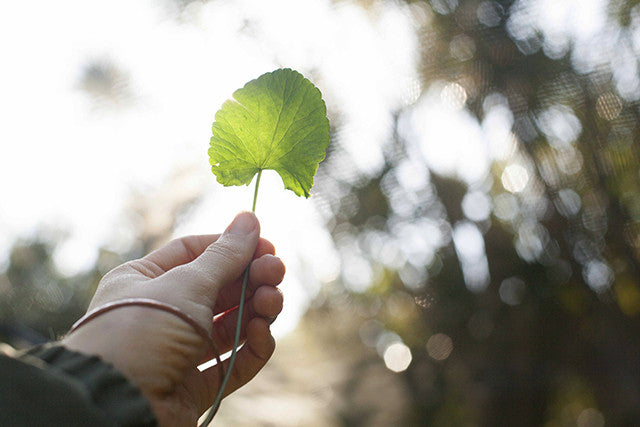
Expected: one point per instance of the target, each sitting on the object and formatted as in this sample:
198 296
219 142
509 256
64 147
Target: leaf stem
236 341
255 193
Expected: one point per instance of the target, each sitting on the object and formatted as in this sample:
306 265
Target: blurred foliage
550 335
38 302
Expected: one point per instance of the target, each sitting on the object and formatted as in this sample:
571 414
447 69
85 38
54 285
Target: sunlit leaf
277 121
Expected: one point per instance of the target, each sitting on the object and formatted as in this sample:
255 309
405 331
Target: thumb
223 261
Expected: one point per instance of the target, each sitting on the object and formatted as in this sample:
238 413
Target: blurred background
470 255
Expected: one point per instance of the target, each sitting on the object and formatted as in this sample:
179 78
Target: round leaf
277 121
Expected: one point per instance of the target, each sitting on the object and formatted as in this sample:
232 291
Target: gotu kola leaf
277 121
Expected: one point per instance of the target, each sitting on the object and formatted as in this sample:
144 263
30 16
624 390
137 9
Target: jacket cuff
110 391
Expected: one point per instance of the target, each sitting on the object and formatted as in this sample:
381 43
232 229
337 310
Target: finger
267 270
265 247
176 252
250 359
180 251
266 303
221 263
184 250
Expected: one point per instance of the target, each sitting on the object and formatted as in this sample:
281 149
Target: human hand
202 276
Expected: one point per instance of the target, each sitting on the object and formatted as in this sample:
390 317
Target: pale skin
202 276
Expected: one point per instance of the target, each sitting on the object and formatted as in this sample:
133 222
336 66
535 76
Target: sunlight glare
450 140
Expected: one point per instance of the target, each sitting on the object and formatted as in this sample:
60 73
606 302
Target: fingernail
244 223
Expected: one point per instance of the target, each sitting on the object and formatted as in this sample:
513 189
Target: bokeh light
397 357
590 417
515 178
439 346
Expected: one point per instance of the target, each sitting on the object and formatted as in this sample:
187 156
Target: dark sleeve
51 385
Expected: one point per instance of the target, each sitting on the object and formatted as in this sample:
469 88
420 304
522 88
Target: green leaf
277 121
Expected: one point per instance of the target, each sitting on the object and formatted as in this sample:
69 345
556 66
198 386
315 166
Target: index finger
185 249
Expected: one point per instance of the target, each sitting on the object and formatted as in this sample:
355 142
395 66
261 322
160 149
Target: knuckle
279 299
224 253
185 243
278 269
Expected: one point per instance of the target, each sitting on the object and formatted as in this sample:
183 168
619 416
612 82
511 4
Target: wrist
140 342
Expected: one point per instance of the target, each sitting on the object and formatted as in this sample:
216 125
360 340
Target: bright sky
65 163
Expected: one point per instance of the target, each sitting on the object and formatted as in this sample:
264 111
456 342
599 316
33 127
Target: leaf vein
293 120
